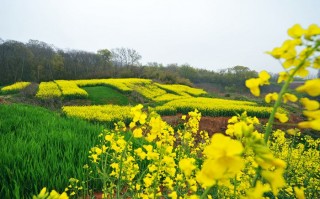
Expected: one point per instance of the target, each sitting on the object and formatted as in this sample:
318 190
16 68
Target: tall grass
39 147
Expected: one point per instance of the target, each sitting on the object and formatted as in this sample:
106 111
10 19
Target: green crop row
39 148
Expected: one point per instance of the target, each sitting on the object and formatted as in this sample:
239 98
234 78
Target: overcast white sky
211 34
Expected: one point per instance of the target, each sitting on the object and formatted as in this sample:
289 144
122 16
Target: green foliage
40 147
105 95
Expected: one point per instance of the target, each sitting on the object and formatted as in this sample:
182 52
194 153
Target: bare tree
125 57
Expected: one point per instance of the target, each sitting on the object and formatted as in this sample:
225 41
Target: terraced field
165 99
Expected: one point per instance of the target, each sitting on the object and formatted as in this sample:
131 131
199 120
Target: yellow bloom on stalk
296 31
138 115
282 117
289 97
276 52
43 193
223 160
137 133
94 157
148 180
173 195
312 30
314 120
289 57
140 153
302 71
271 97
53 195
187 165
299 192
275 179
312 87
310 105
316 63
258 191
283 76
254 83
264 77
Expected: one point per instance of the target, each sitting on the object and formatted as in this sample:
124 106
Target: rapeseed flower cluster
15 87
101 113
48 90
52 195
297 55
149 159
214 107
70 89
182 90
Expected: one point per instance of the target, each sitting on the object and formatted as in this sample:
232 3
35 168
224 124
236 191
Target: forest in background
38 61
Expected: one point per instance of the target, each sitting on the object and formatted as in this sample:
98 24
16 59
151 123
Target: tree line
38 61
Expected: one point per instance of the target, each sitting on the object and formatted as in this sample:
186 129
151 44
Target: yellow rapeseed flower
258 191
289 97
264 77
137 133
253 85
312 87
271 97
296 31
173 195
312 30
310 105
223 160
299 192
187 165
282 117
283 76
316 63
275 179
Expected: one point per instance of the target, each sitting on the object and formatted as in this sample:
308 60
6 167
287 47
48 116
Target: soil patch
219 124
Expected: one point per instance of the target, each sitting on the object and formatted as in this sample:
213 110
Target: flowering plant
149 159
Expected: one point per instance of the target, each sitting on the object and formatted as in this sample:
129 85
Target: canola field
150 158
168 99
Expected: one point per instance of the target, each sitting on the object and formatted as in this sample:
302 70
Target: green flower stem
205 193
282 92
235 187
121 161
289 157
155 182
257 176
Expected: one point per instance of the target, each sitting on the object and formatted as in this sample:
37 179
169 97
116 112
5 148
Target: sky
208 34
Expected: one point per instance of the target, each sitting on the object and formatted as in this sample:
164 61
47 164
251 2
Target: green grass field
105 95
40 148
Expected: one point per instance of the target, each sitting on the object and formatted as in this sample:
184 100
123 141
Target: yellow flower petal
312 87
296 31
283 76
289 97
312 114
281 117
299 192
313 124
264 77
312 30
310 105
271 97
253 85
